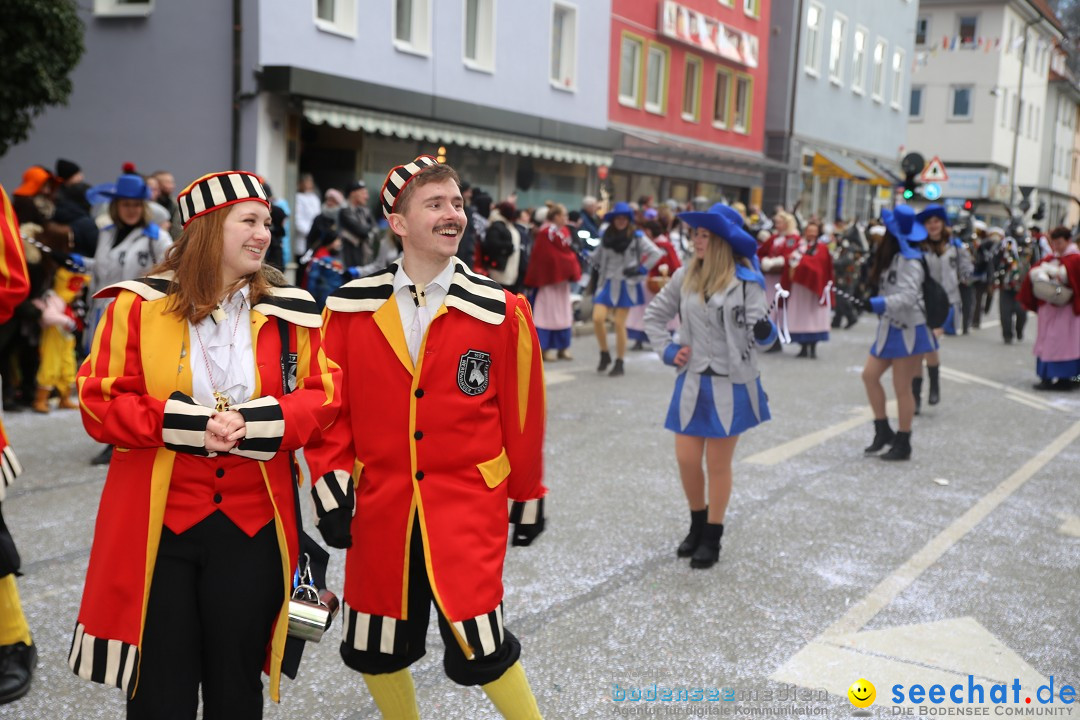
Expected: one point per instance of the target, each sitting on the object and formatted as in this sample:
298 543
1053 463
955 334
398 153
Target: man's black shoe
17 664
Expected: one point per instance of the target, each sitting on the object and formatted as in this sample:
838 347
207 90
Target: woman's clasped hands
224 430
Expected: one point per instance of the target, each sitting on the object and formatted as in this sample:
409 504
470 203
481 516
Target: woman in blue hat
621 262
902 335
948 263
718 395
127 248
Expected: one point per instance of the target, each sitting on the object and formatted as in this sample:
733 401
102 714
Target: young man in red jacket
439 444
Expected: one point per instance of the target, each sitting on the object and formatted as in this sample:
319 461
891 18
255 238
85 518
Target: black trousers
984 296
460 669
213 601
967 304
1013 314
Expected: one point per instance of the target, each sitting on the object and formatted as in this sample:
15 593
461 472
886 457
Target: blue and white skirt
711 406
628 295
1057 369
903 342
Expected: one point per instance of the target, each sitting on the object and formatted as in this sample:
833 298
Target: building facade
837 104
687 94
512 94
1055 191
979 99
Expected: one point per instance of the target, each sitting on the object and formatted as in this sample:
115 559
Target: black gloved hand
334 527
525 534
632 272
762 329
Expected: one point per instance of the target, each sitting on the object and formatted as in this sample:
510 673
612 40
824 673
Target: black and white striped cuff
111 662
527 512
332 491
265 428
366 633
183 428
9 469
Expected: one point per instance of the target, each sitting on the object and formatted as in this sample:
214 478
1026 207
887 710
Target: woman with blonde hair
718 393
206 375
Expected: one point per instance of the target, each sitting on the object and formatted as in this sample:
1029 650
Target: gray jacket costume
948 268
719 333
901 286
611 264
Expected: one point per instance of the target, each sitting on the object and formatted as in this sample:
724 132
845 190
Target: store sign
967 184
707 34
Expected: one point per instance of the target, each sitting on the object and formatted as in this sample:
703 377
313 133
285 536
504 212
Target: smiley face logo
862 693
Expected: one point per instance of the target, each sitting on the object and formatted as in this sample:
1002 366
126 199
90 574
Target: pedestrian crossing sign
934 172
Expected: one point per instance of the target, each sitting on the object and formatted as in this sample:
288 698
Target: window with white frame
915 109
656 72
836 48
967 27
336 16
722 103
744 91
123 8
480 34
630 54
858 60
815 20
922 30
691 96
897 76
412 26
752 7
564 46
960 102
877 84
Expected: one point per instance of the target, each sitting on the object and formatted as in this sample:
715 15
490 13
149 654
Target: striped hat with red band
217 190
399 177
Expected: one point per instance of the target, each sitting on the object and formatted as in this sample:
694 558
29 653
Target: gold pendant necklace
221 400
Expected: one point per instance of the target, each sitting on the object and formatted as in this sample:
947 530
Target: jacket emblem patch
474 370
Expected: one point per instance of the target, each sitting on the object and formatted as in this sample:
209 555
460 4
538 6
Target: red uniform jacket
451 441
814 272
14 286
1072 266
135 393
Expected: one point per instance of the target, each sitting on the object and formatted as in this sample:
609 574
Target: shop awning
438 133
876 176
834 165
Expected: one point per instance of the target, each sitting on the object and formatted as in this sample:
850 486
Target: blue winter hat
930 211
127 186
725 222
620 209
905 227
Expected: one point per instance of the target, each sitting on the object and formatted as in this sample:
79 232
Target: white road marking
554 377
960 376
791 448
1030 403
1071 526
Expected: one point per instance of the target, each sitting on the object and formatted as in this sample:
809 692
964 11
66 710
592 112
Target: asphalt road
835 567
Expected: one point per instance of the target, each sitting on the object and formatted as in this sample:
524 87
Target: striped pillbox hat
217 190
399 177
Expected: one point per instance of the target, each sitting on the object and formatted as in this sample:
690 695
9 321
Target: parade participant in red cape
1045 291
196 540
553 265
18 654
809 278
442 424
773 256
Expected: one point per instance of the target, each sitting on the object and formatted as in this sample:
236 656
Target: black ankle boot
916 390
690 542
708 552
883 435
804 351
605 360
934 396
616 369
901 448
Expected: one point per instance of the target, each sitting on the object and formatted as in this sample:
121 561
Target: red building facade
687 90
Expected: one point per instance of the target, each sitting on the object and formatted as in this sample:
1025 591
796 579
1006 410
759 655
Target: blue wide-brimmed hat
620 209
127 186
930 211
726 222
907 229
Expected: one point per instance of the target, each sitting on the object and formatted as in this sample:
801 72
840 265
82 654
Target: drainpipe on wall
1019 113
237 35
791 113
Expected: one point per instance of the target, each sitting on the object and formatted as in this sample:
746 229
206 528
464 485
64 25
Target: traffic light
910 185
969 205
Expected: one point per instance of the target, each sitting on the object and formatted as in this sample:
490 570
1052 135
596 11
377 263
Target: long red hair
195 259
